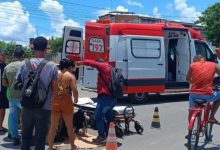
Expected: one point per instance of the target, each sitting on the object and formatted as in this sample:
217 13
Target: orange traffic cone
111 143
156 119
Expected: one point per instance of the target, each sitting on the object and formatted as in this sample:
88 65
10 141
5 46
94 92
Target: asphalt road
173 120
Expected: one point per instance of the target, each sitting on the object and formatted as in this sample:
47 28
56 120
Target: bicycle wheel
193 135
208 131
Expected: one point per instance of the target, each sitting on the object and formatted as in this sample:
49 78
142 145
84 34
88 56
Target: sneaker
99 140
16 141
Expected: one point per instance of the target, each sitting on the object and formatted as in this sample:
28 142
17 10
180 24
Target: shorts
207 98
3 102
62 106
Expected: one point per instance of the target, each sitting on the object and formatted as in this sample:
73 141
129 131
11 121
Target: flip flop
214 121
3 130
74 148
53 148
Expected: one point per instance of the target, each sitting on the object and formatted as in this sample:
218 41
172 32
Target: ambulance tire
139 98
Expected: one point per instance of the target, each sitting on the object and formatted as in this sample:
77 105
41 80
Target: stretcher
121 115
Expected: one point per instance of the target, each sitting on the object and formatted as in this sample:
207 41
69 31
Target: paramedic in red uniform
105 102
200 75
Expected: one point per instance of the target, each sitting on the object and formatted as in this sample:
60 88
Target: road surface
173 121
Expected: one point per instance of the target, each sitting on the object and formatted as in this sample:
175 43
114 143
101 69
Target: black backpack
116 86
33 92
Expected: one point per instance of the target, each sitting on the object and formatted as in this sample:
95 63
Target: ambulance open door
73 45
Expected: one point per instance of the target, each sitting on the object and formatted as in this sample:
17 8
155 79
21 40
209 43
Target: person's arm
189 76
74 88
98 65
54 78
217 69
4 78
5 83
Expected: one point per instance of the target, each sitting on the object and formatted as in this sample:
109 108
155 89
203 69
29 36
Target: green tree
10 47
210 19
55 44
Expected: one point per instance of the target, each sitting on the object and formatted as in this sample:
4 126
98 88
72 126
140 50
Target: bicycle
198 123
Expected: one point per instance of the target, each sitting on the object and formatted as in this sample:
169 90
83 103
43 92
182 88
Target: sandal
53 148
3 129
74 148
214 121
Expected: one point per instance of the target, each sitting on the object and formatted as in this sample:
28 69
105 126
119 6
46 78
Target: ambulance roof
145 29
149 29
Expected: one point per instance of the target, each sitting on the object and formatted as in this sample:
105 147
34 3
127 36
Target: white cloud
135 3
169 6
105 11
15 24
93 20
188 14
54 10
121 8
156 12
102 12
143 15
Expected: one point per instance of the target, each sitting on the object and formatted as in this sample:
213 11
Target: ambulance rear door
73 45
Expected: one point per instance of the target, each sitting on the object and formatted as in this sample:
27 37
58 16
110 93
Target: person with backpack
105 100
14 95
35 78
62 105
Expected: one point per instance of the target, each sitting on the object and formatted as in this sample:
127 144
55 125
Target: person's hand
78 63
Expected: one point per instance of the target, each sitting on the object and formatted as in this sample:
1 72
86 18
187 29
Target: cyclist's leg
215 106
191 104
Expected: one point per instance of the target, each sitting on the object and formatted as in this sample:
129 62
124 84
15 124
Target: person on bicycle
200 75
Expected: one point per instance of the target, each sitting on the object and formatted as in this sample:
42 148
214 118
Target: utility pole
111 5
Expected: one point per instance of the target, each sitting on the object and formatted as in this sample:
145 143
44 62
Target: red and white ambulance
154 58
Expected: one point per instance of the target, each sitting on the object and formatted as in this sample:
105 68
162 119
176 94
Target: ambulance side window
146 48
203 49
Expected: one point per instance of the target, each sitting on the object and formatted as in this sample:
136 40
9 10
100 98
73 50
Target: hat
3 51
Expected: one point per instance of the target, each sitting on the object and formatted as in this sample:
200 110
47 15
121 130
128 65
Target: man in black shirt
3 98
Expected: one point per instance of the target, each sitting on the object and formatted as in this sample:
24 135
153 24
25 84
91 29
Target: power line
94 7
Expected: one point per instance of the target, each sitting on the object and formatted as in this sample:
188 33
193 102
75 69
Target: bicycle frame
204 111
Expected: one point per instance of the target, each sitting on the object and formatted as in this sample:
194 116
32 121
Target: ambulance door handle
160 64
125 60
90 68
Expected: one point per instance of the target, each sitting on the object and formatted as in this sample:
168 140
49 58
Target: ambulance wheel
139 98
139 128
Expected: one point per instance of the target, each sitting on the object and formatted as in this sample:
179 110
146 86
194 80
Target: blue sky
22 19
